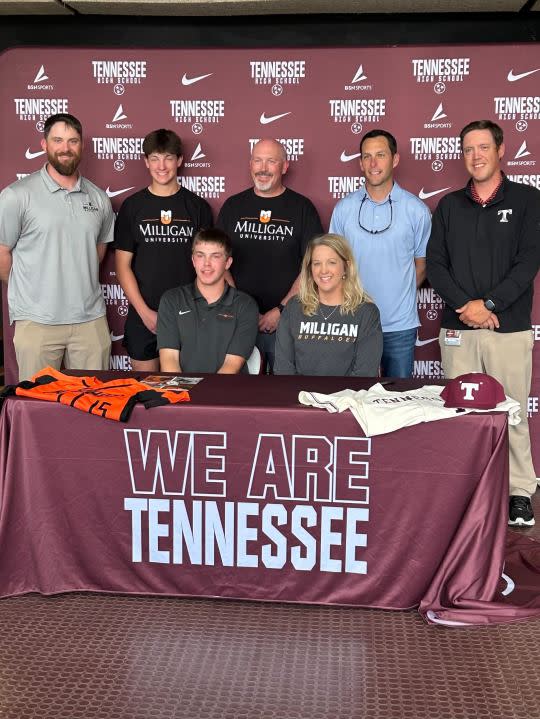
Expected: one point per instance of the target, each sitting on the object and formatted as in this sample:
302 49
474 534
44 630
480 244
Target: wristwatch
489 305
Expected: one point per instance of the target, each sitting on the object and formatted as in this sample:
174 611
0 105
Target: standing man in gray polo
54 230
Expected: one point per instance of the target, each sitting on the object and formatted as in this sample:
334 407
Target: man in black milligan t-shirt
269 226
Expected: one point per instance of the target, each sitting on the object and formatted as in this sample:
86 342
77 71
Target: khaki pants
86 345
508 358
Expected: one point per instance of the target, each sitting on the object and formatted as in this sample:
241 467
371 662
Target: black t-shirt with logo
159 232
269 237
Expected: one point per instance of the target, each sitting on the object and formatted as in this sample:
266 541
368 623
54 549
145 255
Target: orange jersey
113 400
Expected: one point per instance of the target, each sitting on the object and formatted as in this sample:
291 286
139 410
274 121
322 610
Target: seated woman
331 327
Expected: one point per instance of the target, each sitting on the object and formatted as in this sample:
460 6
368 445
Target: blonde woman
331 327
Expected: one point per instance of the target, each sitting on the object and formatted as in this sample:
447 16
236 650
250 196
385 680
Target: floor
89 656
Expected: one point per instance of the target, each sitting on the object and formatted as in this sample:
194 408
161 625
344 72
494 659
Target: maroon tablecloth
244 493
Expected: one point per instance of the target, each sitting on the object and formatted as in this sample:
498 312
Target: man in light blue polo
54 229
388 229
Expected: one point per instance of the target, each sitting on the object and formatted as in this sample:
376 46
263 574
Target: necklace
327 317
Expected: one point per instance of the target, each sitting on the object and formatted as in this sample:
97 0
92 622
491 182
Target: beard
263 182
66 164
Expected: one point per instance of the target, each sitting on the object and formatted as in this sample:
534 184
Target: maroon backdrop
318 101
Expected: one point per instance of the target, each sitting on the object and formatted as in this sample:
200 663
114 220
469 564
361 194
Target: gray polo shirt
53 235
204 333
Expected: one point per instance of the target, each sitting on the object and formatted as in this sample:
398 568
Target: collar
53 186
395 194
225 299
495 196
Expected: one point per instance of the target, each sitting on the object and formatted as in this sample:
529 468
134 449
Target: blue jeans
398 353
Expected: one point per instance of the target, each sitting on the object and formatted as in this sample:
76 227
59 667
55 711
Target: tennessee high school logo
265 215
166 217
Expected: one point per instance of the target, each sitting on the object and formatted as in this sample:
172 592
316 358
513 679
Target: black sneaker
520 512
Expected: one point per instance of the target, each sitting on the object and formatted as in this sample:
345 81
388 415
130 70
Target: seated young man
207 326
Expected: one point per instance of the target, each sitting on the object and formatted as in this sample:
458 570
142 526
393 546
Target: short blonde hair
353 292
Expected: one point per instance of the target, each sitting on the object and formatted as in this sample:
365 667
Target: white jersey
379 411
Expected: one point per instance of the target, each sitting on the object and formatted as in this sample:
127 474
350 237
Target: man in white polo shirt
54 230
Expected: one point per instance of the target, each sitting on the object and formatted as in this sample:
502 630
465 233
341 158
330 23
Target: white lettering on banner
513 108
428 368
532 180
294 146
113 293
192 464
197 110
426 297
360 110
339 186
121 362
532 406
438 148
284 72
536 332
209 186
445 69
118 148
126 72
34 108
194 534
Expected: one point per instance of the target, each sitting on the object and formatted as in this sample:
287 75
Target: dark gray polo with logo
204 333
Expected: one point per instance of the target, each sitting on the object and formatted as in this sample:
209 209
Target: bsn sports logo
118 149
40 81
357 81
198 158
435 122
208 186
441 69
531 180
294 146
428 368
525 107
358 110
340 186
277 72
119 72
116 122
197 112
521 153
435 148
39 108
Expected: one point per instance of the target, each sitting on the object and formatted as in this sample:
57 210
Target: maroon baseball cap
473 390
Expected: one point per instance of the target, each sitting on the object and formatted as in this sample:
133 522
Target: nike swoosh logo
30 155
424 195
265 120
512 78
183 312
190 80
113 193
347 158
421 343
115 338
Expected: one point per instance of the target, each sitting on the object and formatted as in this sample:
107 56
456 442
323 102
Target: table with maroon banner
244 493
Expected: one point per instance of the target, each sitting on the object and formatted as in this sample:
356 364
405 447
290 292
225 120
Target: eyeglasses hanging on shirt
375 232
